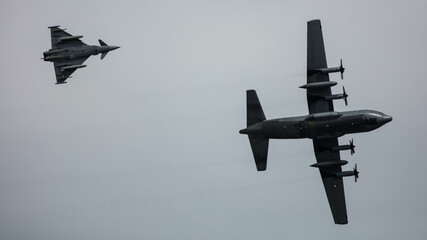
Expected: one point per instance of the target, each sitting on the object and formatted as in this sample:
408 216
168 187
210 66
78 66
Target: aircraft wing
56 34
61 74
316 59
334 186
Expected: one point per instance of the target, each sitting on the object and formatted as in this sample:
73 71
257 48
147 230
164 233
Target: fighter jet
323 125
68 52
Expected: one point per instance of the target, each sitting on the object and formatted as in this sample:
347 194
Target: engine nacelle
345 174
341 148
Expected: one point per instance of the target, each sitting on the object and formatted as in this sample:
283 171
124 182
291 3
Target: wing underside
61 74
57 34
318 103
334 186
316 59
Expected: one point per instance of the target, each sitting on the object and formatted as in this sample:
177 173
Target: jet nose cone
113 47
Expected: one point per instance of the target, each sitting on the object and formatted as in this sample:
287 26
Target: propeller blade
356 173
345 95
341 69
352 147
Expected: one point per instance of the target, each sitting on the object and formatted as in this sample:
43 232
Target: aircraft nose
113 47
388 118
385 119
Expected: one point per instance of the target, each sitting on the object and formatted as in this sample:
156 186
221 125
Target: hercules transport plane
323 125
68 53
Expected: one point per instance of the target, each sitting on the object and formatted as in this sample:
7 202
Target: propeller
356 173
345 96
352 147
341 69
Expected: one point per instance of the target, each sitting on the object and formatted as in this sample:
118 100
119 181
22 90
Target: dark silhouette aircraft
323 125
68 53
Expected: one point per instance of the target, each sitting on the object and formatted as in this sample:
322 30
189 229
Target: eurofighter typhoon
323 125
68 52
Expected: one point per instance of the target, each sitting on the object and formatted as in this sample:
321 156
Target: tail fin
259 145
254 111
102 43
103 55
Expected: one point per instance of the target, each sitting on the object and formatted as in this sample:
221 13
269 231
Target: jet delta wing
68 52
61 70
61 39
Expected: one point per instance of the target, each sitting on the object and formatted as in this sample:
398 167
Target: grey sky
144 144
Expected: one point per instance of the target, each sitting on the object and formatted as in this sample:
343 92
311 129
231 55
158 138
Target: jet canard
68 53
323 125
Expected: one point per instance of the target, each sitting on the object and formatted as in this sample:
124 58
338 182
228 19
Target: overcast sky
145 145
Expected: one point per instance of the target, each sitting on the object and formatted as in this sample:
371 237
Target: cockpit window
375 115
372 121
369 120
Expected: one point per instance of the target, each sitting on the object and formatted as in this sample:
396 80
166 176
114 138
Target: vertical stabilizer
254 111
102 43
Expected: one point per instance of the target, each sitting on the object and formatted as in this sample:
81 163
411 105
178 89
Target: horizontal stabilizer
259 147
103 55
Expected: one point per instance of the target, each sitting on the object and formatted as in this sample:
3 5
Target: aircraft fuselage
75 52
319 126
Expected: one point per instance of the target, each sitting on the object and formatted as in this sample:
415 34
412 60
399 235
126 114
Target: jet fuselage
75 52
319 126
